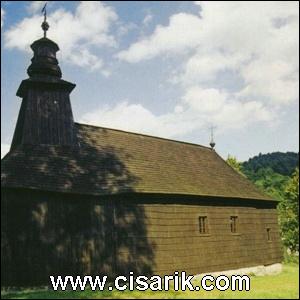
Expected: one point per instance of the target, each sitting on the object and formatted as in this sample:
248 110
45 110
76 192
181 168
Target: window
233 224
203 228
269 234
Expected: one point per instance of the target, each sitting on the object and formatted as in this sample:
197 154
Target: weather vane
212 142
45 25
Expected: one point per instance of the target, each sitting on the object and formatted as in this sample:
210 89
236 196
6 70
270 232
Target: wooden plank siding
61 234
180 247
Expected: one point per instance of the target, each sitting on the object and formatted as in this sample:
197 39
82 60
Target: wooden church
79 199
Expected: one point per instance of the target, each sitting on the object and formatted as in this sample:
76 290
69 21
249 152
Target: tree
289 213
271 182
235 164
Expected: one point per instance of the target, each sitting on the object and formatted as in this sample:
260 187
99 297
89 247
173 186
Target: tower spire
45 25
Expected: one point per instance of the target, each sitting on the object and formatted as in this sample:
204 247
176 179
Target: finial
45 25
212 143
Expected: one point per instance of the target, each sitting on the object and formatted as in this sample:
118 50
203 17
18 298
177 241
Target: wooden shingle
112 161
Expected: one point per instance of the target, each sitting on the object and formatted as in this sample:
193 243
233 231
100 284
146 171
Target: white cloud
256 41
120 116
79 34
221 108
2 16
198 108
235 114
181 33
4 149
205 100
84 58
144 121
275 81
148 18
204 67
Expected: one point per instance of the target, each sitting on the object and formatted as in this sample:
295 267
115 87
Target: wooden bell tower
45 117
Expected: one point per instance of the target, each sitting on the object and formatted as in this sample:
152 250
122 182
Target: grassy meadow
282 286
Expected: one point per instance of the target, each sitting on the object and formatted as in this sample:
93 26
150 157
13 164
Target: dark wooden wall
55 234
180 246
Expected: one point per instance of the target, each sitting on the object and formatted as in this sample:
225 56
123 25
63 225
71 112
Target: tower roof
44 63
44 70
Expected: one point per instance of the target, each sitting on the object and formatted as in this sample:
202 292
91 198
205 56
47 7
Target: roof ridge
146 135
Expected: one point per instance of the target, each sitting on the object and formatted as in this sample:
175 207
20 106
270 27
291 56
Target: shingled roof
111 161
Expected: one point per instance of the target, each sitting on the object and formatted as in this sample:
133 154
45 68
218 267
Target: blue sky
170 69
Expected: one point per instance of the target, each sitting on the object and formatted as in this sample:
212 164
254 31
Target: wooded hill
279 162
271 171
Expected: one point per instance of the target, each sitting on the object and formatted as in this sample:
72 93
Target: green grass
282 286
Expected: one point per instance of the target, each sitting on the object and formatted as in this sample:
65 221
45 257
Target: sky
170 69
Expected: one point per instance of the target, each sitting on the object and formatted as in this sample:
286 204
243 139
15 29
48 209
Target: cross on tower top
45 25
212 142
